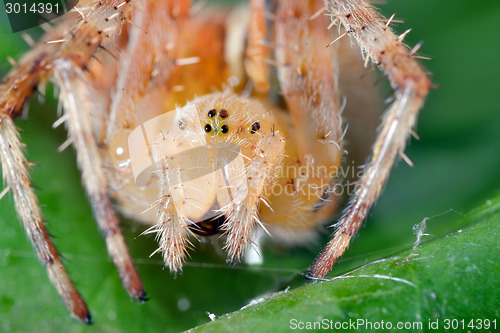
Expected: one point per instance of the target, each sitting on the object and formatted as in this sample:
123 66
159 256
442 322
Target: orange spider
212 121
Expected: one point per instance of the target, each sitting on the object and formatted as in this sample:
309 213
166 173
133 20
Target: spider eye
208 128
182 125
212 113
255 127
223 113
224 129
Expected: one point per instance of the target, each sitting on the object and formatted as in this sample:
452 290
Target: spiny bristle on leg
242 216
172 230
18 181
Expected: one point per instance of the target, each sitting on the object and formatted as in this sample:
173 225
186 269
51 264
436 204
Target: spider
199 122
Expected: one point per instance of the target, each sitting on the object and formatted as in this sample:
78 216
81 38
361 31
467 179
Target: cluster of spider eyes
223 114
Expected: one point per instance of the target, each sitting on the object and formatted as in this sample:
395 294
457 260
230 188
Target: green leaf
441 279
